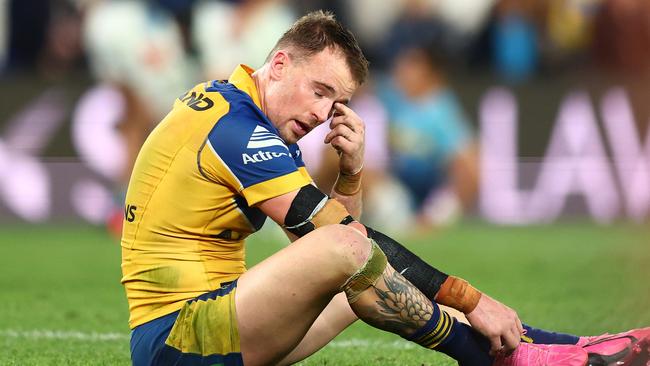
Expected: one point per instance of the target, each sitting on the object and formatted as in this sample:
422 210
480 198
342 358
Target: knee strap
367 275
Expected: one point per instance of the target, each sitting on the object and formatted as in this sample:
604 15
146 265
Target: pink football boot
631 348
528 354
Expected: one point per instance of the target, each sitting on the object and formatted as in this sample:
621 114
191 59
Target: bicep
277 207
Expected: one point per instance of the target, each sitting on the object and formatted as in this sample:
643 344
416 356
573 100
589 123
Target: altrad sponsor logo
261 156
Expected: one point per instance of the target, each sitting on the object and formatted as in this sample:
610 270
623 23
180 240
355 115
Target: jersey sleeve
297 157
244 151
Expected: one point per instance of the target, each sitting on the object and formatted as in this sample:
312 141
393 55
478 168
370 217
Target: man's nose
323 112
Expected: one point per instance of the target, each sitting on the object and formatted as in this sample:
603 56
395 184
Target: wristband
458 294
348 184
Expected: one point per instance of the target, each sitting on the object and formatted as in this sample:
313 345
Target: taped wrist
422 275
348 184
458 294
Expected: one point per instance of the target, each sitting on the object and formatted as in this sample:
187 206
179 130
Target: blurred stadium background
541 198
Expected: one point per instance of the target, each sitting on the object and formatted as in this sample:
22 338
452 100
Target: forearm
436 285
352 203
424 276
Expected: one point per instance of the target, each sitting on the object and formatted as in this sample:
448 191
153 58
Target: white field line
370 343
38 334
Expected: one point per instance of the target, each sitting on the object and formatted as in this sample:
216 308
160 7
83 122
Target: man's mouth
302 127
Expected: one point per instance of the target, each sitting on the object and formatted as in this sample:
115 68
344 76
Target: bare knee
347 246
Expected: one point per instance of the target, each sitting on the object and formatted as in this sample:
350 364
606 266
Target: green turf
61 302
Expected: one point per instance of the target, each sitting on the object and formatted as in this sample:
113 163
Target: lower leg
392 303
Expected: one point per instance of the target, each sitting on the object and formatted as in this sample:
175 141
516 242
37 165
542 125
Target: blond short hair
318 30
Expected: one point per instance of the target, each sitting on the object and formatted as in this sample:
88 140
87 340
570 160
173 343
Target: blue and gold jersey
191 198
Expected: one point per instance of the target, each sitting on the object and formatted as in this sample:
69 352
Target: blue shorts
203 332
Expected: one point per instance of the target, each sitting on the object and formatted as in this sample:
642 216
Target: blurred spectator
515 40
465 17
433 151
28 22
137 49
139 46
622 47
43 37
371 22
63 51
464 21
417 24
227 34
623 36
569 29
181 11
385 26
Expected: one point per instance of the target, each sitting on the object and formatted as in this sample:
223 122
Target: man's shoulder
201 99
218 93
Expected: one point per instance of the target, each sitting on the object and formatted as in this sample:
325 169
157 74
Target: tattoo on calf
404 307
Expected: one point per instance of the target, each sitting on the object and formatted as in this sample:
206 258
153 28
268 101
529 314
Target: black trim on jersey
198 162
229 235
254 215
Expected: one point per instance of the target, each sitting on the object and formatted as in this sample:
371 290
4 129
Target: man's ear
279 64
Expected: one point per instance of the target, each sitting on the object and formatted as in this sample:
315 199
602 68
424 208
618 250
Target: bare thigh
278 300
332 320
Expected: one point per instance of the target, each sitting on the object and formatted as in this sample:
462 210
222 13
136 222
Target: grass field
61 302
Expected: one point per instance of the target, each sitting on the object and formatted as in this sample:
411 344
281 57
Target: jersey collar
243 80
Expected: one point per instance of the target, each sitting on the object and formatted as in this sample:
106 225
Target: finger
343 131
520 327
355 124
343 145
495 345
342 109
341 121
331 135
349 118
511 340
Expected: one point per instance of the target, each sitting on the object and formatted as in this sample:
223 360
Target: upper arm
277 207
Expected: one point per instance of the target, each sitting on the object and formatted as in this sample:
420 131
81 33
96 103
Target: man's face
303 92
